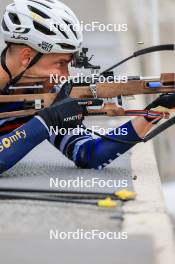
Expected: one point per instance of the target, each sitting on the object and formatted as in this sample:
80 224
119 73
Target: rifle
99 98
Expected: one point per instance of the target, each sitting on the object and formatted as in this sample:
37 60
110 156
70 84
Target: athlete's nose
65 71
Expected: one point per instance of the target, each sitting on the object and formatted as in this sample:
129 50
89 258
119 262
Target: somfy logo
8 142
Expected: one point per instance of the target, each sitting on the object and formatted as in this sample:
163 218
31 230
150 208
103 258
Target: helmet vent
4 26
14 18
39 3
66 46
71 28
43 29
38 12
61 31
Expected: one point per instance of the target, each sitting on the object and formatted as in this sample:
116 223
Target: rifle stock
132 87
164 84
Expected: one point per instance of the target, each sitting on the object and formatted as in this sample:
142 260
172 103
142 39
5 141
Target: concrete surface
40 250
25 224
148 215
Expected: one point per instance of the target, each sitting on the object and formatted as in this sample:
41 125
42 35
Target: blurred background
150 22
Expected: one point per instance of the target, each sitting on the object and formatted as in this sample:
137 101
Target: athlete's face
51 64
48 64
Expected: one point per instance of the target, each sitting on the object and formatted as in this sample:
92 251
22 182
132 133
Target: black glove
66 113
164 100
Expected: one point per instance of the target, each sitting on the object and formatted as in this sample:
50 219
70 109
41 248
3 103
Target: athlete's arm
90 153
87 152
15 145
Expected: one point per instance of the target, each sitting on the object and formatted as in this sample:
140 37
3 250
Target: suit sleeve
16 144
89 153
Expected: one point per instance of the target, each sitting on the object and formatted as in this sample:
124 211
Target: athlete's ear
26 55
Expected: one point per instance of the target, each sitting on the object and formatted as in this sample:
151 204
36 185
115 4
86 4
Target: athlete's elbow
90 166
87 167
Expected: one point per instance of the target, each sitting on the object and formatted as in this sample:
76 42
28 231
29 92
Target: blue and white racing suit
18 136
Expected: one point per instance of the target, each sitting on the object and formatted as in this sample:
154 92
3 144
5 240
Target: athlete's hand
165 100
67 113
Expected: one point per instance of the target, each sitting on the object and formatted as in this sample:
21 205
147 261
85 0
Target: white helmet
47 26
